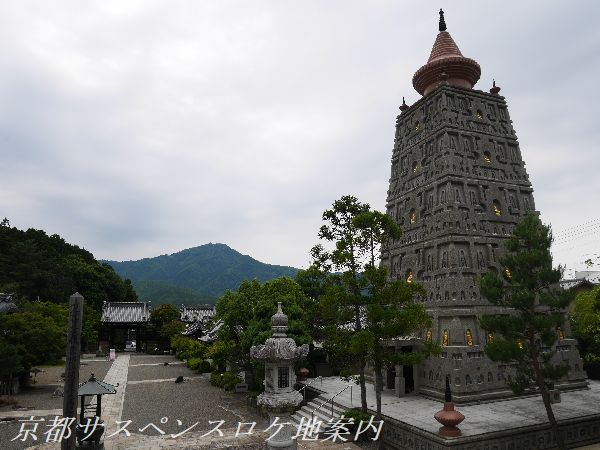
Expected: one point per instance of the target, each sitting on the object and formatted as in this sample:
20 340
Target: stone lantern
280 398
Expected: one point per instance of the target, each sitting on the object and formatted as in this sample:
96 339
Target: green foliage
188 348
216 379
35 335
11 358
585 322
209 269
529 285
199 365
221 351
163 314
360 307
172 328
246 315
35 265
90 327
225 380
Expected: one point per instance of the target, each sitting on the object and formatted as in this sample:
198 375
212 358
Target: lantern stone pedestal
280 399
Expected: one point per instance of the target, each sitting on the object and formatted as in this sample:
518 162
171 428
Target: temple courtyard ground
159 409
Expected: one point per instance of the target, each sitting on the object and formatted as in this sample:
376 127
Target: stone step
323 414
326 408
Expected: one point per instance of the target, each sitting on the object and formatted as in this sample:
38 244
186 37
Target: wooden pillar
72 366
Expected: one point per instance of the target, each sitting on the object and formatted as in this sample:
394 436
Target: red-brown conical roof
446 64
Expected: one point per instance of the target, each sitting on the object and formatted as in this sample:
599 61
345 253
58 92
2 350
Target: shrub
205 367
230 379
187 348
194 363
216 379
225 380
358 415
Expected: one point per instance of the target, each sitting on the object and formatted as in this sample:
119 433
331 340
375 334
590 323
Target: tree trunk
378 387
545 395
363 386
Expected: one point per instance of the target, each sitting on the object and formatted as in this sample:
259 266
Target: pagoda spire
446 58
442 21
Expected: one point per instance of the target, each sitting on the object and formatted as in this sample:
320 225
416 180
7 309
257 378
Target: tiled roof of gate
125 312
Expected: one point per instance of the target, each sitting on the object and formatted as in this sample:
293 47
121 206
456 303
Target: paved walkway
481 418
112 405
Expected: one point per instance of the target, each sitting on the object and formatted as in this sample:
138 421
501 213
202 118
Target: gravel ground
140 358
157 372
193 401
10 430
39 395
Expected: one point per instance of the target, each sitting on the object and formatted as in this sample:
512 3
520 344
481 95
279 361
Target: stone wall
578 432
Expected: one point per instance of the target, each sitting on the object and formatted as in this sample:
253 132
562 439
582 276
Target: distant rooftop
582 278
197 313
125 312
7 304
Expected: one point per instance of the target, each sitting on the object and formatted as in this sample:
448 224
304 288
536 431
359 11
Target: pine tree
529 288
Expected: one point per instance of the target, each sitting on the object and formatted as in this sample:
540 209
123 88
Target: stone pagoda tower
458 187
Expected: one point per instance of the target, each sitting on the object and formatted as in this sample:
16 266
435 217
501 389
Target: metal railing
303 388
312 413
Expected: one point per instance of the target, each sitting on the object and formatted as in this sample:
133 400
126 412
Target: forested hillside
209 269
34 265
161 292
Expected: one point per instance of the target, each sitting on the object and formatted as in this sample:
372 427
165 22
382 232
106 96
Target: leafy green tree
164 314
37 266
164 320
347 258
585 322
172 328
246 316
390 313
39 334
365 309
529 288
11 357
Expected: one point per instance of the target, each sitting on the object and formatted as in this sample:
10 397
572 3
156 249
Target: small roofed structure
97 388
7 304
122 322
197 313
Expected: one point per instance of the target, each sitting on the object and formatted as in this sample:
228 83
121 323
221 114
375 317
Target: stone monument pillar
280 398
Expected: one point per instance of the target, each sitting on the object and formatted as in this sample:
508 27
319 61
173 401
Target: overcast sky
139 128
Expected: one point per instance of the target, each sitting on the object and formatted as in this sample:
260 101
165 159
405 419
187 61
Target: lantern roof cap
96 387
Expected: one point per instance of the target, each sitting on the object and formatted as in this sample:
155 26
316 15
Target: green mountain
206 271
159 292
